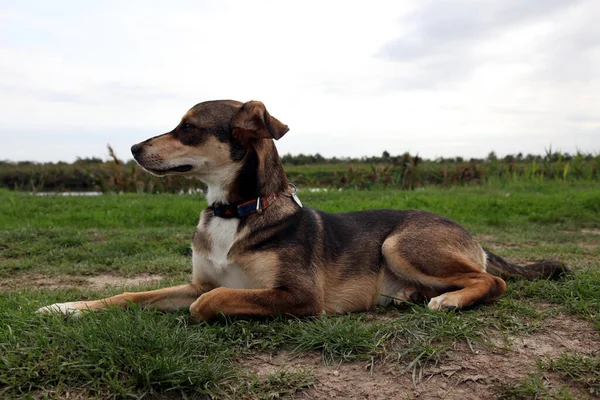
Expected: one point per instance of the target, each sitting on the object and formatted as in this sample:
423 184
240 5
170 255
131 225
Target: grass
139 353
120 353
577 294
535 386
583 370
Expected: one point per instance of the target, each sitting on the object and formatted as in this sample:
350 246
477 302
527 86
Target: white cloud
441 78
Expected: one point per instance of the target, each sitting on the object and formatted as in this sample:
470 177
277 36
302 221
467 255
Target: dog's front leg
253 302
167 299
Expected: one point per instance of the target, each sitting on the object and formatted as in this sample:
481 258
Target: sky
350 78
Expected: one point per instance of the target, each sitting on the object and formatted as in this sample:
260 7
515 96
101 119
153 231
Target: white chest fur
214 266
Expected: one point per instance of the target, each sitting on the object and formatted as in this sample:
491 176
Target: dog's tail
549 269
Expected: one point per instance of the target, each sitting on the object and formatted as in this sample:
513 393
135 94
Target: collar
243 209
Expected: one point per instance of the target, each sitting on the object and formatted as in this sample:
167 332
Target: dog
258 252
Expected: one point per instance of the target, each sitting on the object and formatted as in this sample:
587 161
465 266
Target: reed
405 172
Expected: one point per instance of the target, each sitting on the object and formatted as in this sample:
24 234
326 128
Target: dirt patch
591 247
103 281
42 281
65 394
485 238
74 281
337 381
464 375
591 231
559 334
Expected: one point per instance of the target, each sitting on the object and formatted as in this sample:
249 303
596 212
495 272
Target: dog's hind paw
69 309
443 302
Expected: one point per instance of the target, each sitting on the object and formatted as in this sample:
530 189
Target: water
189 191
66 193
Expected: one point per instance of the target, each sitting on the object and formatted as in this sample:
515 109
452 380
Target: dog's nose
135 149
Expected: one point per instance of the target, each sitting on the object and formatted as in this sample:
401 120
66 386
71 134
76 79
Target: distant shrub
403 171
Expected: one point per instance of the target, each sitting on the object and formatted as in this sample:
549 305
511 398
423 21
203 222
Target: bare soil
465 375
591 231
102 281
72 281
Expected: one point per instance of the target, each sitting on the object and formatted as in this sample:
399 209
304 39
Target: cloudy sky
438 78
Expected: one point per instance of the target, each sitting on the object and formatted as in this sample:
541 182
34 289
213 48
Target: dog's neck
217 186
259 174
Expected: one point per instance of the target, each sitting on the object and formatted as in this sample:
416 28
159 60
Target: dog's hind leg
450 275
476 288
166 299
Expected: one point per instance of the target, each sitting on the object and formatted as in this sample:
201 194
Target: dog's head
211 141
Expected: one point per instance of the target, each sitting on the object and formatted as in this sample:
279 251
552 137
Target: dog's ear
253 121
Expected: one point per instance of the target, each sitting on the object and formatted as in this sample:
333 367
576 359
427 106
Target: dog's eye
187 126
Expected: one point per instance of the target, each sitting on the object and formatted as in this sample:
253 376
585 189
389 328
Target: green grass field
541 340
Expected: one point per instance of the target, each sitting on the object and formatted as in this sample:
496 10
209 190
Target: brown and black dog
258 252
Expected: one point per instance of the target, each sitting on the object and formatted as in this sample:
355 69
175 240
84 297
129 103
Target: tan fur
254 122
261 266
349 295
250 302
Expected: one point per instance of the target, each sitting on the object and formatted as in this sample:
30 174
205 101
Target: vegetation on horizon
404 171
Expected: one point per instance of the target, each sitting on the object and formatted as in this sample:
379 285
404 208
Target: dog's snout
135 149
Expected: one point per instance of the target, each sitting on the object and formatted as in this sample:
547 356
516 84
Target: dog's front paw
69 309
209 305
